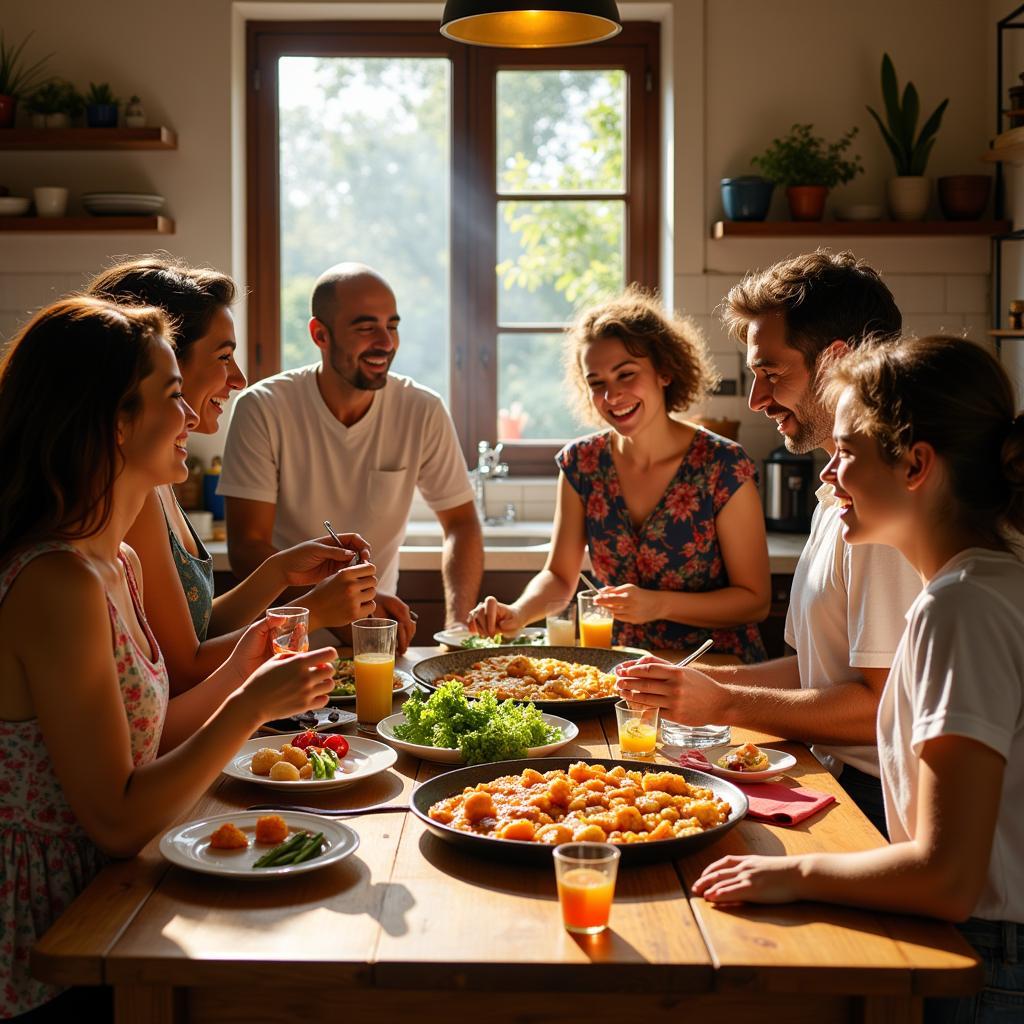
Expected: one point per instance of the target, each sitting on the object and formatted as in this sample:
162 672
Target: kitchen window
497 190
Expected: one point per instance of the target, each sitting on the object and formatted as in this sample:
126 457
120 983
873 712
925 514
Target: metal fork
327 812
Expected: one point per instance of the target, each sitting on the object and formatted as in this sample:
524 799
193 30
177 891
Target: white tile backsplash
967 293
918 293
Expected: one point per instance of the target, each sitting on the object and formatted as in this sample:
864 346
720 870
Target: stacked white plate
121 204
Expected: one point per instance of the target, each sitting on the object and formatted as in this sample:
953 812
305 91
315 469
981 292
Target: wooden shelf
1003 333
89 225
820 228
1005 154
1016 112
88 138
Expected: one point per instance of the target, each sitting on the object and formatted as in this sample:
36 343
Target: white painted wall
737 73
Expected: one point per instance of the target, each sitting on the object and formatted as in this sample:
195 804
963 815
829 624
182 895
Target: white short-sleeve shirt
846 611
959 671
284 446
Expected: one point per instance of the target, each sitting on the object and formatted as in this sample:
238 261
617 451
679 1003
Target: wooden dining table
410 927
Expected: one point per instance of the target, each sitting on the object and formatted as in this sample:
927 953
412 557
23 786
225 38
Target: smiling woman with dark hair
669 511
84 699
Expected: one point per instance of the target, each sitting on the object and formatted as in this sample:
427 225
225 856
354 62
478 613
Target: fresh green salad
481 730
499 641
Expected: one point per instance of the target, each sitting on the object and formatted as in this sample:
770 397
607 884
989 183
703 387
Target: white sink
491 540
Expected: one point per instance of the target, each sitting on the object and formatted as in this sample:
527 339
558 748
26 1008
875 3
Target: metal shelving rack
1013 21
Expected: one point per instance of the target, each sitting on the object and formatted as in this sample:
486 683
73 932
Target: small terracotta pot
806 202
964 196
8 106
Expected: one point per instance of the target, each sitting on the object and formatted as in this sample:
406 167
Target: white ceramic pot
908 197
51 201
58 121
135 120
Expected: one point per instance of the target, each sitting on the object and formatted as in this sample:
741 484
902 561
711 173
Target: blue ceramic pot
747 197
101 115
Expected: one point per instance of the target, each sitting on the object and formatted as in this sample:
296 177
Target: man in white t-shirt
346 440
847 604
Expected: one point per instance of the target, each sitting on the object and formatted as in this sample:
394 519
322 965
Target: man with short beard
847 604
344 439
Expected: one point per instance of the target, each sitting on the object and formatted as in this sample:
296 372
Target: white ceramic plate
778 761
454 637
370 757
188 845
407 684
441 755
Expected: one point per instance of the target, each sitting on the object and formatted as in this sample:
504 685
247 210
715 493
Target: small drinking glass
585 874
638 729
561 623
373 650
595 622
291 634
693 737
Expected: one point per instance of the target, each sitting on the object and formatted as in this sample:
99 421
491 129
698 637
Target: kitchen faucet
488 467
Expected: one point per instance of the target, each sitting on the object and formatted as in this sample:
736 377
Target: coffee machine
788 491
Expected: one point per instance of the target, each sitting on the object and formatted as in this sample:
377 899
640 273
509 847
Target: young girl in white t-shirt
930 460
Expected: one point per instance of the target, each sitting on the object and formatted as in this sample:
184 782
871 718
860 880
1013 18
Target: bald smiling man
347 440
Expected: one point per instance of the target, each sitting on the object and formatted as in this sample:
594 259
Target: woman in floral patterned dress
91 420
669 511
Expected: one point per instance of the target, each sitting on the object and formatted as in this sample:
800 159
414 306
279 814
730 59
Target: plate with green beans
362 759
313 842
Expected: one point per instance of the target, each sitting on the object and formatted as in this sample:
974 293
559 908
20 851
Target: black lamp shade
531 25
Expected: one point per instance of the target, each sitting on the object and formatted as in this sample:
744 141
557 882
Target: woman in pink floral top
84 708
669 511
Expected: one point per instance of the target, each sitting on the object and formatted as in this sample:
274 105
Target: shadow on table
536 881
608 947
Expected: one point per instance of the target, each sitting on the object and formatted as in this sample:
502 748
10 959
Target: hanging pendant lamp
531 25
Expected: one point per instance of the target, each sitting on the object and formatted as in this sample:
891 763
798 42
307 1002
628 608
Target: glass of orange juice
585 873
595 622
373 650
638 729
292 632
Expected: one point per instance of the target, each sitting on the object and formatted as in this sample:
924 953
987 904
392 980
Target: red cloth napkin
770 801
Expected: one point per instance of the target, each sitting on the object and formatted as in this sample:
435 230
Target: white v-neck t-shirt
959 671
284 446
846 611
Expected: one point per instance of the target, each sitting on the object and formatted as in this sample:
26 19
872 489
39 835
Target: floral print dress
676 547
46 859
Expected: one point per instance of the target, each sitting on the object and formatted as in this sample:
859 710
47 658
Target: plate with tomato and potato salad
332 761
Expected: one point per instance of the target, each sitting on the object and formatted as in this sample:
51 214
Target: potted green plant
16 77
909 191
100 106
135 114
54 103
807 166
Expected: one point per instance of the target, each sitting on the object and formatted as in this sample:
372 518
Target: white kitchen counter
520 546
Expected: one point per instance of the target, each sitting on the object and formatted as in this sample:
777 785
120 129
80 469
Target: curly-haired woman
669 511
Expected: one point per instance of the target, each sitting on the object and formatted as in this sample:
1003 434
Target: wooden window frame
473 371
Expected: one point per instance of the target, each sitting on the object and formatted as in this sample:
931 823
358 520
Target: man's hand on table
684 695
390 606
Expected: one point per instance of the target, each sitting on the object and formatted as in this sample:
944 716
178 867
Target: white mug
50 201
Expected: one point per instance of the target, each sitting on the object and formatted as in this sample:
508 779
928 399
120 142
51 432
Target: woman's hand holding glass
630 603
289 684
684 694
279 685
490 616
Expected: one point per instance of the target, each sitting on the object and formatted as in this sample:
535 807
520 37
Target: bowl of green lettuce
447 728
